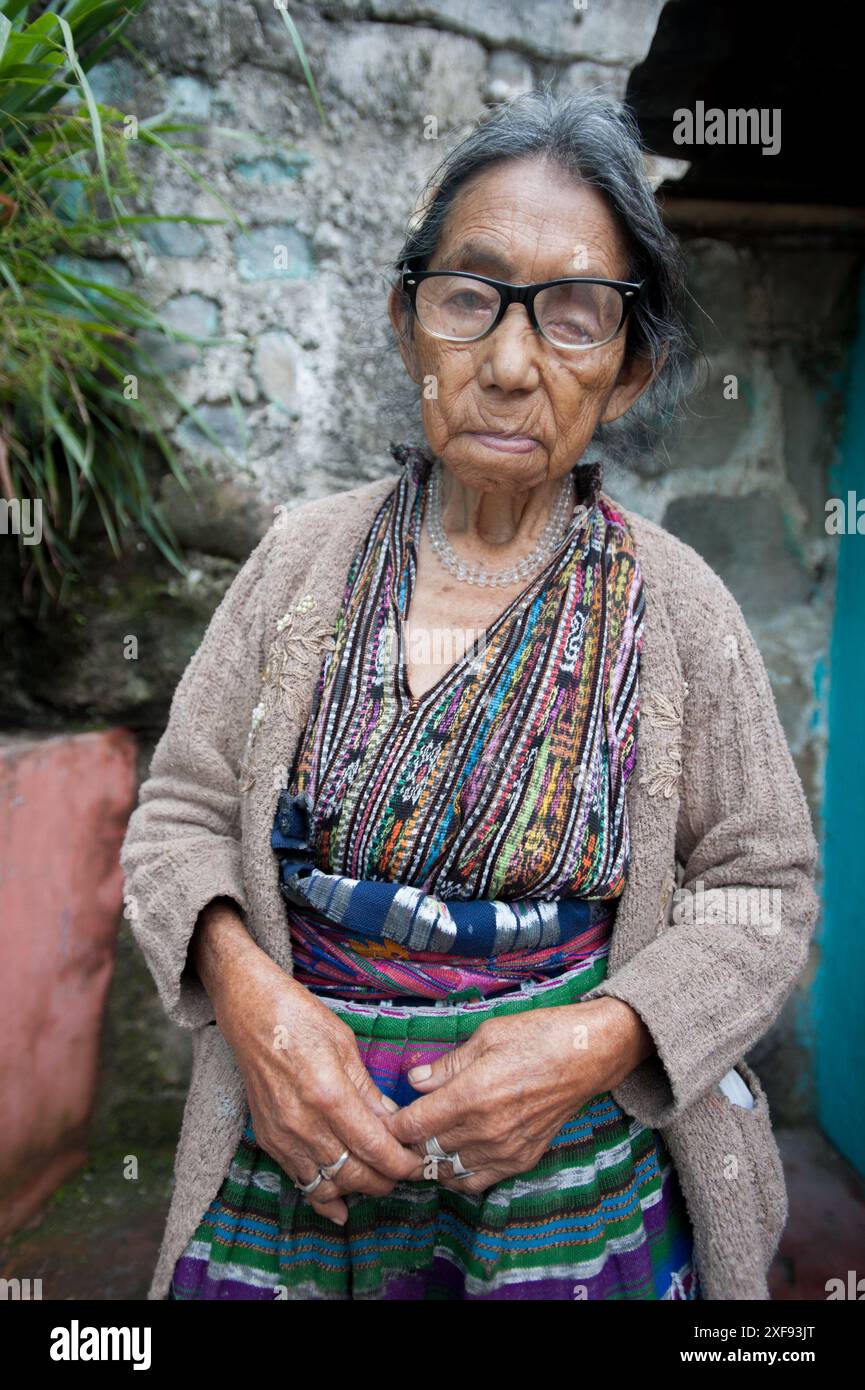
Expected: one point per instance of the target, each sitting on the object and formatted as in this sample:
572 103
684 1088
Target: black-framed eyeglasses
576 312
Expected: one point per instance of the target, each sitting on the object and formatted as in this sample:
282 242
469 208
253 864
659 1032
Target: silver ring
307 1187
458 1170
433 1149
330 1170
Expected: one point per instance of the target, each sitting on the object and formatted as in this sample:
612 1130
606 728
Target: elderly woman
450 849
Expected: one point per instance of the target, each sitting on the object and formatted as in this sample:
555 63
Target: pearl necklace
550 536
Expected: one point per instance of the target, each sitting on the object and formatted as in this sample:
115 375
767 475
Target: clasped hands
500 1097
497 1099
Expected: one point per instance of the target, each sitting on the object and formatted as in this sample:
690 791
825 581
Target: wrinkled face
522 221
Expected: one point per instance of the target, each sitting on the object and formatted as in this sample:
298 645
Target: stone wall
304 390
746 484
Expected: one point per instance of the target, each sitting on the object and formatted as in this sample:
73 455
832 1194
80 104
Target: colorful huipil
445 859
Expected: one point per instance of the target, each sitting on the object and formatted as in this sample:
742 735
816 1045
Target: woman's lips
507 443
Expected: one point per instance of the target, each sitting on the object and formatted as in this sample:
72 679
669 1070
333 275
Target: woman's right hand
310 1095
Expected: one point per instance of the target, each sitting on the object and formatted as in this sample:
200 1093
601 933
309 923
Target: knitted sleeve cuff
199 873
647 1092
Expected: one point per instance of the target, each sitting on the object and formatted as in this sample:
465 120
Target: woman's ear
635 374
400 317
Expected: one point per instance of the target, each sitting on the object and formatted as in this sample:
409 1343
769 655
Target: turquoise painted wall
839 989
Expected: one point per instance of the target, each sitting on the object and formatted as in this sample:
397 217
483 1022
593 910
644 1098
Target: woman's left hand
500 1097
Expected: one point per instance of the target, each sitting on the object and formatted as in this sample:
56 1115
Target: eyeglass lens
571 315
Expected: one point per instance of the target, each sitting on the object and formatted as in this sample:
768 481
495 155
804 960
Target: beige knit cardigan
715 805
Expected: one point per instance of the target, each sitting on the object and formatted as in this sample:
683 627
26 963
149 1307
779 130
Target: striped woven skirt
601 1216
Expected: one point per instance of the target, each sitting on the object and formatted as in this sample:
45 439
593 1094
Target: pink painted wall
64 805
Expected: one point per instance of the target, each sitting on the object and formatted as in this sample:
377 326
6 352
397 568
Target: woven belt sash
364 936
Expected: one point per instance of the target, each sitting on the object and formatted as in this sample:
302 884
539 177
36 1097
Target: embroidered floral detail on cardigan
666 712
300 642
664 775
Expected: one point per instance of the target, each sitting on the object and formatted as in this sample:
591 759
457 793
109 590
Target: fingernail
419 1074
340 1220
389 1104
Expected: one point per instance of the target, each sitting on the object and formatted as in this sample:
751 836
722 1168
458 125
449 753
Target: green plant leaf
152 138
5 31
304 61
11 282
12 8
92 107
69 342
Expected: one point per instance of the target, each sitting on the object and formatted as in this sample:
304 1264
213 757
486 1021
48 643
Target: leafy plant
80 397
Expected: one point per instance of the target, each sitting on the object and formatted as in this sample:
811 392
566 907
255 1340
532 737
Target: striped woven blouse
505 782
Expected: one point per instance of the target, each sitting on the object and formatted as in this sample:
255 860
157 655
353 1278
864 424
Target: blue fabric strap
415 919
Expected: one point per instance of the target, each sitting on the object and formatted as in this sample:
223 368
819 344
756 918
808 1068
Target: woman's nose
512 351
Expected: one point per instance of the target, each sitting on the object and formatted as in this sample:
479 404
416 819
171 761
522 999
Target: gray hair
596 141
